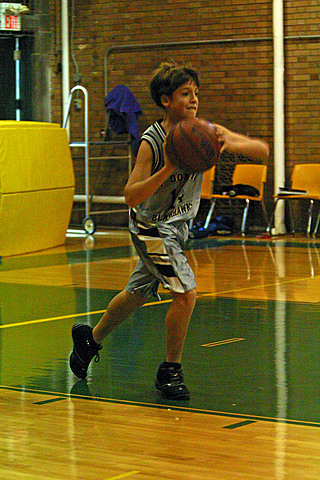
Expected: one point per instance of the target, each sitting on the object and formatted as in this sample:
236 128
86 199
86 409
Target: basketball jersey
178 198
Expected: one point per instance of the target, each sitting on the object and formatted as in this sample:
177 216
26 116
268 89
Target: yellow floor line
124 475
51 319
222 342
160 302
72 315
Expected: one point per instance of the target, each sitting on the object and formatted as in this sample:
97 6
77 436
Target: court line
222 342
239 424
50 319
52 400
124 475
160 302
72 315
202 411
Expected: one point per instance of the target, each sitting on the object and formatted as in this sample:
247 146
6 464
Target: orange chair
305 177
207 183
207 186
246 174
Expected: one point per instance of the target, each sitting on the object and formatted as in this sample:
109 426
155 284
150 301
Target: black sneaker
169 381
84 349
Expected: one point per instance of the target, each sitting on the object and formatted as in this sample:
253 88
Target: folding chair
247 174
206 188
305 178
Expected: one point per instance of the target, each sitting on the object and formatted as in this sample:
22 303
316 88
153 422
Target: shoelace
177 376
93 351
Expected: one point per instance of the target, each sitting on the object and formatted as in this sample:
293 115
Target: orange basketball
193 145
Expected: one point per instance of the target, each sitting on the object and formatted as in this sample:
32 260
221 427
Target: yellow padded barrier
34 157
36 186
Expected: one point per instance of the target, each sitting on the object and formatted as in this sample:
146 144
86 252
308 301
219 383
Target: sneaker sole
171 395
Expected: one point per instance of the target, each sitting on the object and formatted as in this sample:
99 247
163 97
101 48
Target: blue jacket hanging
124 110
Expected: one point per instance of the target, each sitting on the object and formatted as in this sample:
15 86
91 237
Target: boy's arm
141 185
243 145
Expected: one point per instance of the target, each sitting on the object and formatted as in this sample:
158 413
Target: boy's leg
119 309
87 341
169 379
177 322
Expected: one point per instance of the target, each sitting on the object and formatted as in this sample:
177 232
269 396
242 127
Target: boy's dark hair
168 77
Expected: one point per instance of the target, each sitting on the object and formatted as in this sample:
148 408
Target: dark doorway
8 102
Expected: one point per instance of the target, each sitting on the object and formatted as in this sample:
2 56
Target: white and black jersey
178 197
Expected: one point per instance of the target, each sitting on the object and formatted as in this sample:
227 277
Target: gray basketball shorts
162 259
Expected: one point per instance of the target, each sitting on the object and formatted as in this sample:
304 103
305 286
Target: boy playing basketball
162 200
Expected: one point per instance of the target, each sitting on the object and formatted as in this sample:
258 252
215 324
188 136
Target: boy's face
184 102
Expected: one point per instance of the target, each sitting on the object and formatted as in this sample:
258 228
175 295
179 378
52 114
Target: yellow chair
207 183
305 177
207 187
246 174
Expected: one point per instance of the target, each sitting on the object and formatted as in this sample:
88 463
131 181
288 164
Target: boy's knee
192 294
187 298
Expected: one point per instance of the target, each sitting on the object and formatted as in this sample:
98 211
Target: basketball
193 145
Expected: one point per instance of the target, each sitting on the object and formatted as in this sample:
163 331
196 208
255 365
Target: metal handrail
85 143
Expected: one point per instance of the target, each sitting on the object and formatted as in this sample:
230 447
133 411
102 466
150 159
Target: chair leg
291 218
292 222
264 212
210 213
244 217
268 229
310 217
315 231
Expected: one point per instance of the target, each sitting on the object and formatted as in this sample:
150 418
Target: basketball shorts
162 258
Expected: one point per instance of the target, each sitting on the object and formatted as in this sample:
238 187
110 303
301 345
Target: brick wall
232 49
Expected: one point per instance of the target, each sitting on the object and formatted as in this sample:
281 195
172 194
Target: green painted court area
252 358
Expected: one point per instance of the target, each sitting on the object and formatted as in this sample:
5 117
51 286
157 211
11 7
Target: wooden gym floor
251 361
